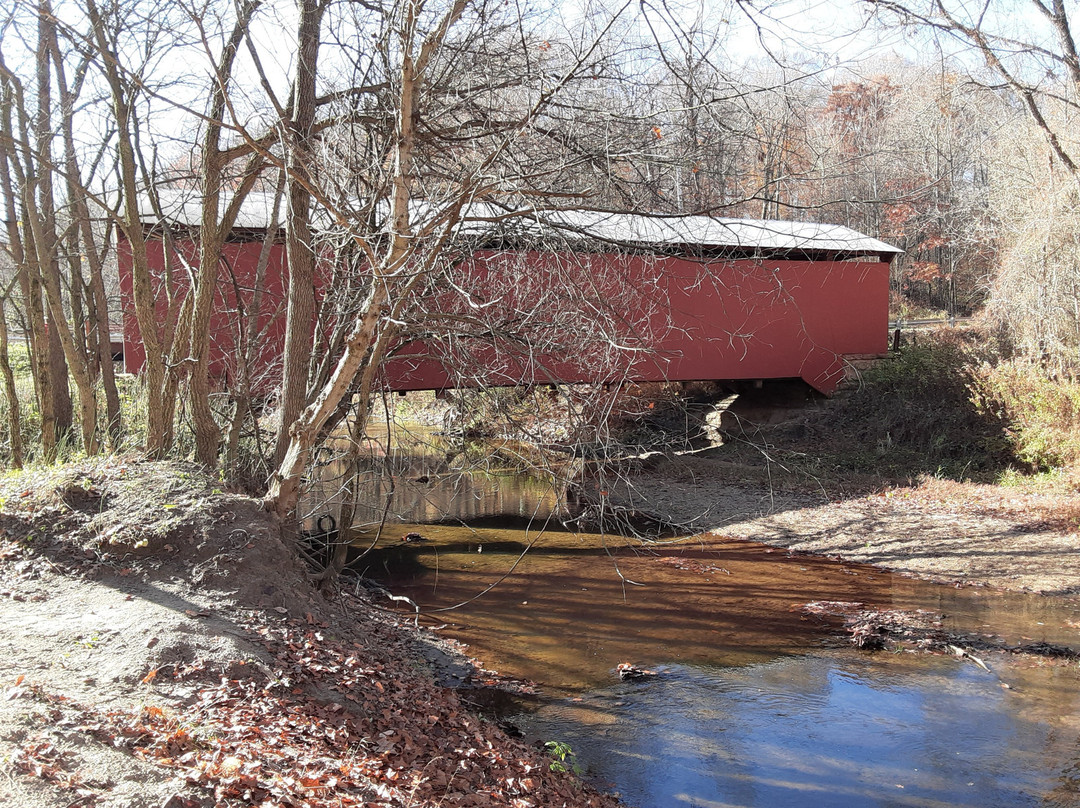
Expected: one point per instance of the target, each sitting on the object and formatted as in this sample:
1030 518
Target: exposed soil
162 648
935 529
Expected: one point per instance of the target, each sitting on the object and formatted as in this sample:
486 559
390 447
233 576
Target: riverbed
748 700
745 699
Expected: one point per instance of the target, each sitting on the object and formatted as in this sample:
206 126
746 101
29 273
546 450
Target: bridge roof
489 221
748 235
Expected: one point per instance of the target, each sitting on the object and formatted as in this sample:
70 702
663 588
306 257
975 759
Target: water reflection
566 612
419 476
843 729
755 704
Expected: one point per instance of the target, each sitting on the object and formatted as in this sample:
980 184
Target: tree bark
212 234
97 303
23 250
300 311
158 417
10 393
64 354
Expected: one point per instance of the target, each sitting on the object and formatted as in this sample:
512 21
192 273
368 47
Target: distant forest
376 124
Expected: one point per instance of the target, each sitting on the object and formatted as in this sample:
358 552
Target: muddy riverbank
940 530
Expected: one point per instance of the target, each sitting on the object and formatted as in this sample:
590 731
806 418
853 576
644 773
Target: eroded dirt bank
163 649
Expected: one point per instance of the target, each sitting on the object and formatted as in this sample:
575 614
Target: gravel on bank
938 530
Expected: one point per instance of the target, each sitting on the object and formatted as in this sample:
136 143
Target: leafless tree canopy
384 142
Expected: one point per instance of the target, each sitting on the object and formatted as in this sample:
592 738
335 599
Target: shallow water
836 729
753 704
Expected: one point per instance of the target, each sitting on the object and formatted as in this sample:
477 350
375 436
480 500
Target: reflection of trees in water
410 479
465 495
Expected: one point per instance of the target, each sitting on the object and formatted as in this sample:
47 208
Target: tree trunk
300 311
212 233
284 492
64 353
34 307
97 301
398 269
158 417
15 130
10 393
15 247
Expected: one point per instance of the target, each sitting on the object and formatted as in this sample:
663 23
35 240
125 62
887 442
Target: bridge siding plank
724 320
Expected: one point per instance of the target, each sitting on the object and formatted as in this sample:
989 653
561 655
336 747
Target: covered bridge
722 299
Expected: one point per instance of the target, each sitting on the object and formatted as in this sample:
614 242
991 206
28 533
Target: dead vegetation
896 630
165 648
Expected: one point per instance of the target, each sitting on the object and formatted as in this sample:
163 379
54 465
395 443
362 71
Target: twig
960 652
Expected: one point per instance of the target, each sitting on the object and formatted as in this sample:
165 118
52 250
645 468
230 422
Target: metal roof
184 207
705 231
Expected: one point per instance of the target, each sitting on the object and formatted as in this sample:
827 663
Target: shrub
1034 294
1041 414
914 412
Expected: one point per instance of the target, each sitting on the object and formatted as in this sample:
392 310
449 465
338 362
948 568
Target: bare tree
1029 58
1037 60
125 49
214 229
34 240
124 89
464 107
300 316
86 242
42 217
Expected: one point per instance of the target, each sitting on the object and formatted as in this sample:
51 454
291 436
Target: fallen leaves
42 759
16 690
331 723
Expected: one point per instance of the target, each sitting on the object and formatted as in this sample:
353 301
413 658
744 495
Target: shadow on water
753 702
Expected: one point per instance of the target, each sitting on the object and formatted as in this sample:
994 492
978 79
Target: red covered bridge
726 299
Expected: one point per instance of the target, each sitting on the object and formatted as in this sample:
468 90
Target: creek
753 702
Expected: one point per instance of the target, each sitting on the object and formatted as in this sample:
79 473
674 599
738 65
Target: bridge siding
729 320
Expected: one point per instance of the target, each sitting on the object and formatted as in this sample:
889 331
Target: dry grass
1054 507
